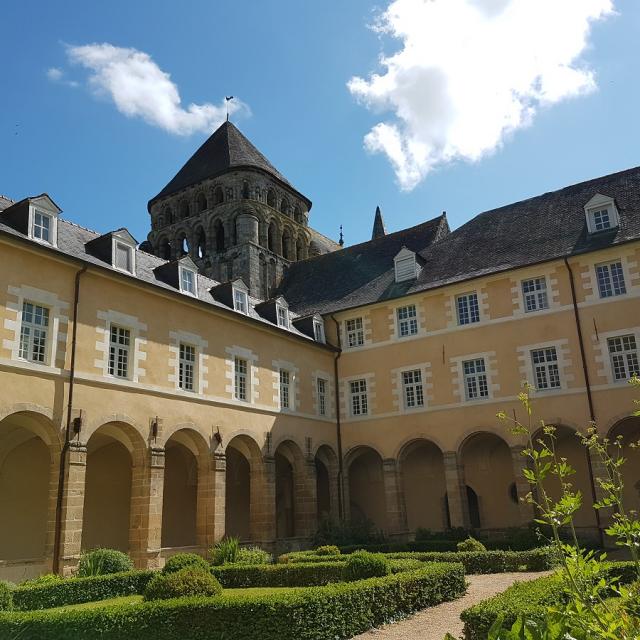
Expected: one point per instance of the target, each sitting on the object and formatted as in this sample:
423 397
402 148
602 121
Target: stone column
520 463
145 528
75 472
396 516
456 490
210 515
306 500
263 500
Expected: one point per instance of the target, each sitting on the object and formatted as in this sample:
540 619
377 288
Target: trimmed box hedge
540 559
79 590
336 611
529 599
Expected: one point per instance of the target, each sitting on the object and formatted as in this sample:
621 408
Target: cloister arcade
127 491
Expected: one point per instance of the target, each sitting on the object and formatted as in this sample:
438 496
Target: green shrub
188 582
238 576
328 550
298 557
336 611
530 599
341 533
6 596
47 578
253 555
100 562
225 552
362 564
79 590
182 560
471 544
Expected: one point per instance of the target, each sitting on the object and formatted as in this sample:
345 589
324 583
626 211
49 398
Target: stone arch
272 236
30 448
326 463
488 471
218 195
287 247
182 243
167 215
183 209
245 488
300 249
297 215
284 206
569 446
219 235
200 243
271 198
367 501
294 495
201 202
628 432
187 473
164 248
424 485
245 190
115 482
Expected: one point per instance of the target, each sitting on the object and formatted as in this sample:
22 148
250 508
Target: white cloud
139 88
55 74
469 72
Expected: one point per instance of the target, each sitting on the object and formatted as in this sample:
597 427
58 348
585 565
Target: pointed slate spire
378 226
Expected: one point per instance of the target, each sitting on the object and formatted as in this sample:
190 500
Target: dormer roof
102 246
169 272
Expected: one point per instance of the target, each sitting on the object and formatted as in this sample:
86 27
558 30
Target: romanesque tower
235 214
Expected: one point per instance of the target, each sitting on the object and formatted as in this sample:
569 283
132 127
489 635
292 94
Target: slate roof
5 202
226 149
536 230
355 275
72 239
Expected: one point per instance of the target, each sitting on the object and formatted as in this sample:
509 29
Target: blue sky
290 62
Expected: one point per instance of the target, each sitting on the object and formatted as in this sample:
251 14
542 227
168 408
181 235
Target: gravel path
433 623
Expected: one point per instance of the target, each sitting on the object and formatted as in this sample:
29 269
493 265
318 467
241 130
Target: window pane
123 257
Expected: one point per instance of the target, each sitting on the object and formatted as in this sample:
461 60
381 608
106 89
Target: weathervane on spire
227 99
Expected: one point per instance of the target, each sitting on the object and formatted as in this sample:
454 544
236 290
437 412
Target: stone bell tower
236 216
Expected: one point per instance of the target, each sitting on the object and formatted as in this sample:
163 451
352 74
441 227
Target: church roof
543 228
226 149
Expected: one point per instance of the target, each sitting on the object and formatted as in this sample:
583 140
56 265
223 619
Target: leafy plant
182 560
588 612
471 544
225 552
188 582
328 550
46 579
6 596
100 562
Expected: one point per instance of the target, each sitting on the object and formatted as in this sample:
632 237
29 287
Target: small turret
378 226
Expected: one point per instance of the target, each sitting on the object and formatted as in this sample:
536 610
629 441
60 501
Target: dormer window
318 331
188 281
123 257
406 267
601 214
283 316
42 226
240 300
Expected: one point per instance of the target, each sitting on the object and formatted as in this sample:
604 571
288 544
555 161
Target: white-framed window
33 333
318 331
285 389
602 213
545 368
321 385
407 320
240 378
610 277
42 227
187 367
475 379
467 308
355 332
188 281
123 257
534 294
240 301
412 389
119 348
359 399
283 316
601 219
623 352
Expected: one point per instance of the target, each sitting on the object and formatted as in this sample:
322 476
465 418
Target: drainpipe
336 357
592 414
67 437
